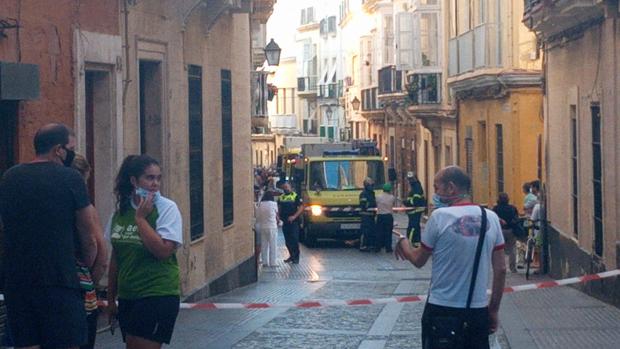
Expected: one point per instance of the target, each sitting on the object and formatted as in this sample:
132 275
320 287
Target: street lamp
272 52
355 103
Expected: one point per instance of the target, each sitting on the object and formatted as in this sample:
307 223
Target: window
331 25
463 11
369 99
345 174
482 136
260 94
388 40
227 148
575 169
469 151
150 108
323 27
307 16
405 40
424 88
429 40
597 179
196 179
499 147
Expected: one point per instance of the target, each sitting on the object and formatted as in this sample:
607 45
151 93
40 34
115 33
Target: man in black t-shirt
48 223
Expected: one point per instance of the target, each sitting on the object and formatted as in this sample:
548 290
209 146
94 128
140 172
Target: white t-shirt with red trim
451 234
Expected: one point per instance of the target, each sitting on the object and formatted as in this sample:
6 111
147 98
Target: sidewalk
560 317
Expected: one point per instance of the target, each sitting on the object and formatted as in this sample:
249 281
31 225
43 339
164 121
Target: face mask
445 201
143 193
69 158
368 187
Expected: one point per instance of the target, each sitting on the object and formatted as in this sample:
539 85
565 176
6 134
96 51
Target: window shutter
416 52
303 17
404 41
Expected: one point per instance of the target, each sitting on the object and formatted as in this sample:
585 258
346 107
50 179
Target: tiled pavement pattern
550 318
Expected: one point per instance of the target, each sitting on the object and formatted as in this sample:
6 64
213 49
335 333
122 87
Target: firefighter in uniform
417 202
368 204
290 208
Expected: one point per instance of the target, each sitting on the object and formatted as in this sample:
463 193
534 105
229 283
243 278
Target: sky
282 26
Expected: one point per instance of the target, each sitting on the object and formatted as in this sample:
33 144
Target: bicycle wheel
529 256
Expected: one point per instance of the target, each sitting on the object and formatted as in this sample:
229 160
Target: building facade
581 132
402 88
494 71
170 80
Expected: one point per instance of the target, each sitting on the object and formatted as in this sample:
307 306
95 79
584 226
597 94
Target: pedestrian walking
465 241
89 277
290 207
145 232
509 219
417 202
385 221
49 225
368 205
267 221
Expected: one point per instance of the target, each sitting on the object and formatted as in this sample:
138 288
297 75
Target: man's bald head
49 136
456 175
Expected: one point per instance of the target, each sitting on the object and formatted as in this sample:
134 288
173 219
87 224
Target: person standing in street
385 221
89 277
145 232
49 225
464 240
368 204
290 207
417 202
508 218
267 225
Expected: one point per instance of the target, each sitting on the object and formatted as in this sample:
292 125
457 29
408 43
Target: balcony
307 85
476 49
390 80
332 90
552 19
369 99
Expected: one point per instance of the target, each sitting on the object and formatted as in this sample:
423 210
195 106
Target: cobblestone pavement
335 271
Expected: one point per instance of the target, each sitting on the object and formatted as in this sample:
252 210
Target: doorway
8 134
100 138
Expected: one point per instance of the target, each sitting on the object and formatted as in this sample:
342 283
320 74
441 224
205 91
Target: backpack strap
474 274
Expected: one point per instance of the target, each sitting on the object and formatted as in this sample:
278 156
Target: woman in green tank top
145 231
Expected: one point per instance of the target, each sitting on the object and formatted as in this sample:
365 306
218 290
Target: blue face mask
143 193
445 201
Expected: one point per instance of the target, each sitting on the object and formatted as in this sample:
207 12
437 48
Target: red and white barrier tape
370 301
358 209
404 299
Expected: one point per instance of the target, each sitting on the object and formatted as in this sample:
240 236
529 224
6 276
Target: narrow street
559 317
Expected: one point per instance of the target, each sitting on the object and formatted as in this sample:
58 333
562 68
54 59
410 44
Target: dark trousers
413 227
91 319
477 334
385 224
291 237
368 228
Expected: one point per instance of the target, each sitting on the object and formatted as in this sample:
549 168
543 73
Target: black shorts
47 316
150 318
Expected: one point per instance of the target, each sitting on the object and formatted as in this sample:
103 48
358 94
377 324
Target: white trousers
269 246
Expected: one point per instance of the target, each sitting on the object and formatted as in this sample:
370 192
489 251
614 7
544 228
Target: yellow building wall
520 114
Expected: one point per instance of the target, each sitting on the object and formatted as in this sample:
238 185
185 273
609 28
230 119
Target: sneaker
364 249
295 262
288 260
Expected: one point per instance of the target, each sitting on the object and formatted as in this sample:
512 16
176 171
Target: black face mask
70 156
